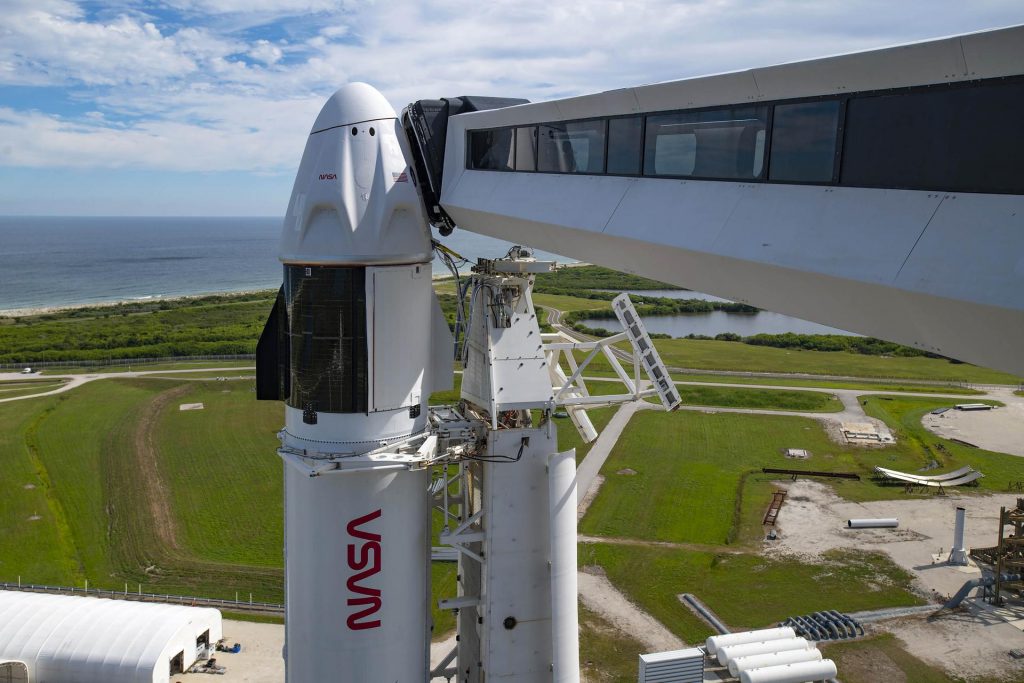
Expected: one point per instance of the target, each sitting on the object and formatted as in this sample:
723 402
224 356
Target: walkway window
571 147
721 143
956 139
804 142
526 149
490 150
624 145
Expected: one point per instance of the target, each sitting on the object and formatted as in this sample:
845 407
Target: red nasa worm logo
364 560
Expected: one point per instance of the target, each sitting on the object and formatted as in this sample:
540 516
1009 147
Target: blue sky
202 107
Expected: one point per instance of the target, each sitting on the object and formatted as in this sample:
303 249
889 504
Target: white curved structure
715 642
773 659
791 673
728 653
65 639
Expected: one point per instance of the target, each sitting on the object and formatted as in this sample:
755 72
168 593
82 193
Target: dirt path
156 490
599 595
640 543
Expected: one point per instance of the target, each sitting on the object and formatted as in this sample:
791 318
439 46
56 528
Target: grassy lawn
222 466
28 388
232 374
763 399
886 387
748 591
76 452
149 367
698 480
567 303
772 399
903 415
607 655
721 355
881 658
39 550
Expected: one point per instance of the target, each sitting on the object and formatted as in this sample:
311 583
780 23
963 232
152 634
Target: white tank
715 642
791 673
356 575
773 659
727 653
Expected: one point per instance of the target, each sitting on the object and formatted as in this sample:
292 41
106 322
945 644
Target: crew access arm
880 192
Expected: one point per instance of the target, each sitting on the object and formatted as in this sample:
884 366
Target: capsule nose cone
353 103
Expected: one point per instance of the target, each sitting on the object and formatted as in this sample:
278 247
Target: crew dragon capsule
355 345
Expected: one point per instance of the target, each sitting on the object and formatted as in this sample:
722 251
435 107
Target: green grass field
747 591
720 355
762 399
148 367
869 660
887 387
607 655
72 506
697 476
903 415
28 387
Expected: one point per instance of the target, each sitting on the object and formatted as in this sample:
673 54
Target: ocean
48 261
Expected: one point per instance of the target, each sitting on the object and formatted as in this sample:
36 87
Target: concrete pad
260 660
1000 430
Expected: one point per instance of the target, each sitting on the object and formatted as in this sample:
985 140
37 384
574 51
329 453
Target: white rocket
354 347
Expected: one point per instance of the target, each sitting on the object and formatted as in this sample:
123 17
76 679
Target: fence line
139 596
123 361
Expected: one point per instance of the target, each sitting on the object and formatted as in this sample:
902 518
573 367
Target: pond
716 322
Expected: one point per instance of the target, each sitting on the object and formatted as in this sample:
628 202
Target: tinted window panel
571 147
624 145
804 141
958 139
490 149
723 143
326 309
526 149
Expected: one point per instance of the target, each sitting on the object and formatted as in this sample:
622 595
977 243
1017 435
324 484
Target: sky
202 107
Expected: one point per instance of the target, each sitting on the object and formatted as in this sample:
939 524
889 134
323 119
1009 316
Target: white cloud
266 52
186 99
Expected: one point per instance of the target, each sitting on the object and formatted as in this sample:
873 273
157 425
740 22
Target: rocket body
355 346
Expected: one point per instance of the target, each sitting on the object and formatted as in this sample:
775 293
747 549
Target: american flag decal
402 177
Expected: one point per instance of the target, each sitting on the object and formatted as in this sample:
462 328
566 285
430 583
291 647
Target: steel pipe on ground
883 523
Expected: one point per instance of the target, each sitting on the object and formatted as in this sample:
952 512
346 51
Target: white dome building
66 639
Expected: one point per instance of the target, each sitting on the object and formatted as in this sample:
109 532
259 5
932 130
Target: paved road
77 380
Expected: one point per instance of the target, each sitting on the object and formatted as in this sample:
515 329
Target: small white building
67 639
